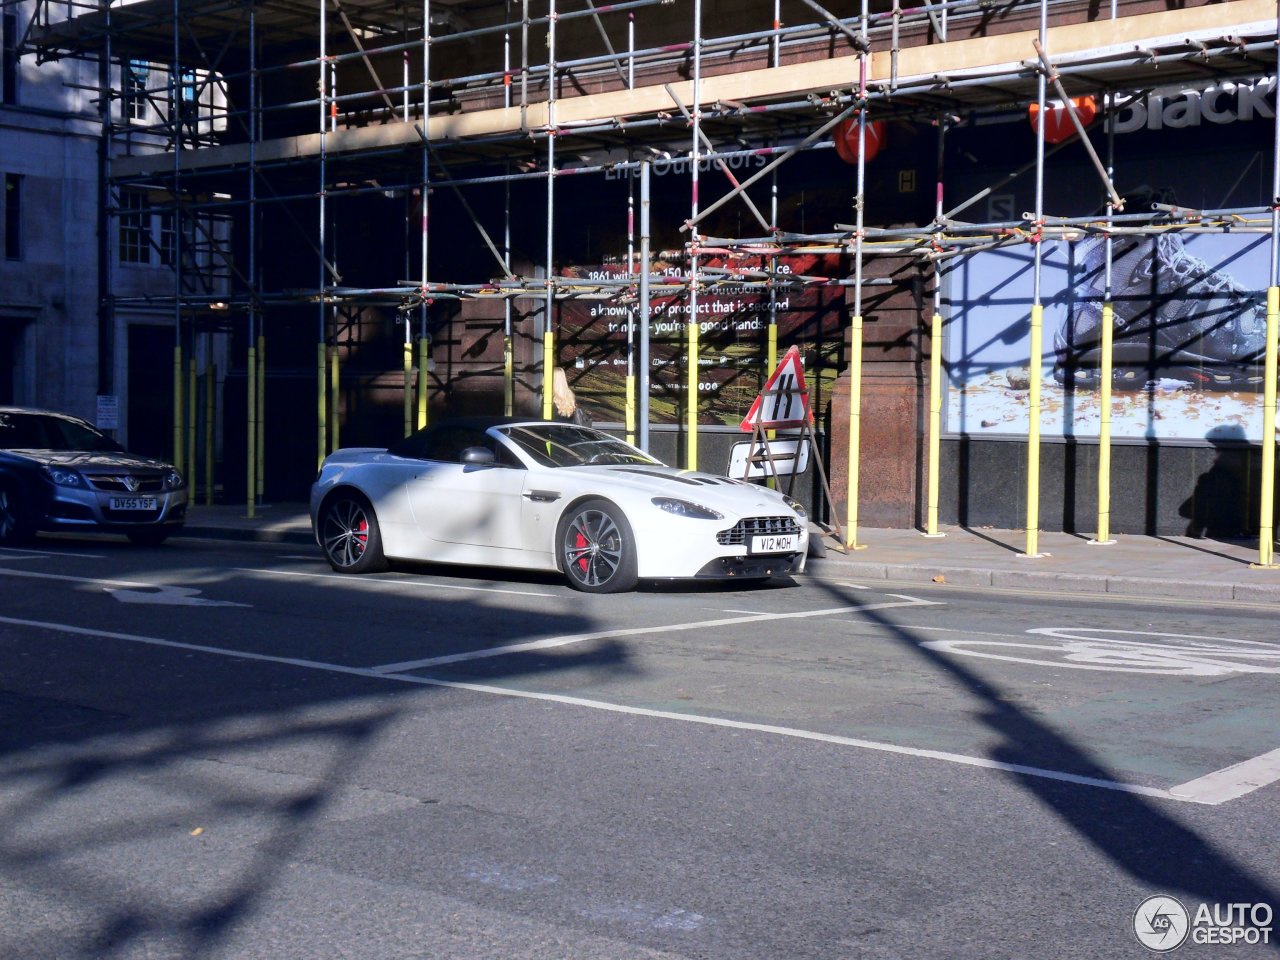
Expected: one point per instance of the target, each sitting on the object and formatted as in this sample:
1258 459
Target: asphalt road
215 750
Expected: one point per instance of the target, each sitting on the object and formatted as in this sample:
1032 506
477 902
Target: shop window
135 227
12 216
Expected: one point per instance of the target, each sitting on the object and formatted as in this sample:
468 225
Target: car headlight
173 480
64 477
795 505
683 508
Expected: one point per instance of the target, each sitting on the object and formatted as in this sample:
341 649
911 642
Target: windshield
43 431
567 445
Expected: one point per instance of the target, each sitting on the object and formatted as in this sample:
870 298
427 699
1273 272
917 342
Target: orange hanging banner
1057 121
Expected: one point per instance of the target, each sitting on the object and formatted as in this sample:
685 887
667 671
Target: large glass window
13 216
135 227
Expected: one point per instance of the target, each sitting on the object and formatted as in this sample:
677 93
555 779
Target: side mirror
478 457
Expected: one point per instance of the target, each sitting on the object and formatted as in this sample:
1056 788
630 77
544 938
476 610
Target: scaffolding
262 112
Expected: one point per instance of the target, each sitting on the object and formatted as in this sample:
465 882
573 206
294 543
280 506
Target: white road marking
972 633
551 642
958 758
171 596
357 581
132 591
106 584
1231 782
1124 651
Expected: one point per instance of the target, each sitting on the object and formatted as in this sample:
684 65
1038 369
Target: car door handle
541 496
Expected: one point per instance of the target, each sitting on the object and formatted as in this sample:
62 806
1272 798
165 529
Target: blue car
58 473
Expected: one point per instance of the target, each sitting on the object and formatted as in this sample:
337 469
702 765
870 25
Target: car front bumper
679 547
73 508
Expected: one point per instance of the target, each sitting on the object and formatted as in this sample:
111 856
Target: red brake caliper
362 531
580 543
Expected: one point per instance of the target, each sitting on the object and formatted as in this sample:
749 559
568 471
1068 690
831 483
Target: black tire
149 537
349 534
595 548
16 525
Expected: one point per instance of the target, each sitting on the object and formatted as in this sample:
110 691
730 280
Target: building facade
372 215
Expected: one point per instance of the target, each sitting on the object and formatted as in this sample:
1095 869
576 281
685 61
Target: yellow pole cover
177 412
855 428
508 375
1033 432
1266 525
251 401
424 365
261 459
691 420
210 418
630 413
935 421
334 386
408 387
322 438
192 393
1104 428
548 375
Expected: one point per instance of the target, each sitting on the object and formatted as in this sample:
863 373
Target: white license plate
133 503
784 543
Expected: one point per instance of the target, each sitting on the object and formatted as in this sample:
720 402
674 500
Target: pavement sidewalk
1138 566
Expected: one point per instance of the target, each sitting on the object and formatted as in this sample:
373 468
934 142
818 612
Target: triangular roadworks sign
784 401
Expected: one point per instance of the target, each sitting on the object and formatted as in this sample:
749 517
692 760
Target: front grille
743 530
115 483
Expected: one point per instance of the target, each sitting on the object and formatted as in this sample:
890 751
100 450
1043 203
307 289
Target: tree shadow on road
1139 834
160 791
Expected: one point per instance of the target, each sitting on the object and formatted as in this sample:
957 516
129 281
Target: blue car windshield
568 445
42 431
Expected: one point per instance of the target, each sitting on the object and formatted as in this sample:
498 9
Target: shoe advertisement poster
1188 327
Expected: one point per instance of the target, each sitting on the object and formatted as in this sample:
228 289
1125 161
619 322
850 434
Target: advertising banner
733 318
1189 331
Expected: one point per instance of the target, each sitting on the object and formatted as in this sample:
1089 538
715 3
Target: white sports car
538 495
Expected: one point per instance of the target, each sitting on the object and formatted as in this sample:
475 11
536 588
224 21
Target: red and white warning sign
784 401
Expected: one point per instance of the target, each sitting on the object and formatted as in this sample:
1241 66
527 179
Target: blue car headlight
65 478
683 508
796 505
172 479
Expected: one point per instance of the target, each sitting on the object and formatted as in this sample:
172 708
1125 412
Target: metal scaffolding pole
424 334
1037 318
1103 536
646 269
691 369
934 454
855 334
1266 518
322 356
548 328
